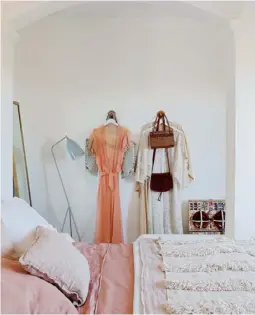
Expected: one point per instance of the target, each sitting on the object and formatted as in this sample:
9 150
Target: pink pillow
22 293
53 258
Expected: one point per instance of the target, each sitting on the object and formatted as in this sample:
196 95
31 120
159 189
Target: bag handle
166 122
168 163
161 116
156 124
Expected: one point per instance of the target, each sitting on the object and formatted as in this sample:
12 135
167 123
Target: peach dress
109 143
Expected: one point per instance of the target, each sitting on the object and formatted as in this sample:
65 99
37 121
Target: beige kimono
164 216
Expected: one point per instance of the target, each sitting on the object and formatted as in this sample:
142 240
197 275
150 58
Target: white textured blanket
197 277
216 277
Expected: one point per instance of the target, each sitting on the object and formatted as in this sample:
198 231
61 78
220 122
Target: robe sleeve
143 168
182 165
190 174
90 158
126 143
128 161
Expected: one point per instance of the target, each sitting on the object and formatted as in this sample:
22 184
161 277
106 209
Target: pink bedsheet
111 287
22 293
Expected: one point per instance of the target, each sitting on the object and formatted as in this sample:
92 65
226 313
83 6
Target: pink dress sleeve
126 144
92 142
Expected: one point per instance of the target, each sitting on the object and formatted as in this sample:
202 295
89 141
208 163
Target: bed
157 274
174 274
126 279
194 275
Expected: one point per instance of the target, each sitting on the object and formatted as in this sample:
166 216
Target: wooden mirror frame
15 178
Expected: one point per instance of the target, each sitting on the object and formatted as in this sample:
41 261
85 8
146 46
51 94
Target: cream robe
164 216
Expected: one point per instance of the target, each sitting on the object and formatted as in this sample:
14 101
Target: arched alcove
196 23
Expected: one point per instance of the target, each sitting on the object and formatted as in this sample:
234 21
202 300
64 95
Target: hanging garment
128 165
142 179
143 189
109 144
164 216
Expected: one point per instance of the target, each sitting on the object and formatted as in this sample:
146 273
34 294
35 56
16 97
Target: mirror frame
15 179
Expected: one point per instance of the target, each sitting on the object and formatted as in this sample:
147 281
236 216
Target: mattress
138 307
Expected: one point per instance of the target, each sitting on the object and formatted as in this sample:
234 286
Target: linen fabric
53 258
108 143
22 293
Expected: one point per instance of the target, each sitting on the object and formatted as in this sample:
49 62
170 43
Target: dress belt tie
111 178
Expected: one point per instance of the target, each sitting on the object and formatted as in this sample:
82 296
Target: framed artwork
207 216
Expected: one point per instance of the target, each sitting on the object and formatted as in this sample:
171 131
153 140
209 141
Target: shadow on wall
47 159
79 188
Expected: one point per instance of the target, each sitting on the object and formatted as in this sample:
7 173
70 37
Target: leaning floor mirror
21 187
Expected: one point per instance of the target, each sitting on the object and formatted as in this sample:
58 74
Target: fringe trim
161 241
210 285
251 251
206 251
251 241
229 265
211 307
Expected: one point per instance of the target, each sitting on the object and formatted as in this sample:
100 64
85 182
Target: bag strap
166 122
153 160
156 128
156 124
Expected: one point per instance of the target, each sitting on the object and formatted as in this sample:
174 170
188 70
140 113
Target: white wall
70 71
244 29
230 140
8 39
15 15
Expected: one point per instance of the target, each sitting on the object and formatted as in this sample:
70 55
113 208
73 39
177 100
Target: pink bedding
110 291
112 278
22 293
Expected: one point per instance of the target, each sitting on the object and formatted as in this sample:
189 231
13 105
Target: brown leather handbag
161 182
161 139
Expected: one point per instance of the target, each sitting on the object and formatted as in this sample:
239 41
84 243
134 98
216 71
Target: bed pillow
21 221
22 293
7 246
53 258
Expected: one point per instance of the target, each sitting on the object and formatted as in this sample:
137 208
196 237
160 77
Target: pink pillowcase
53 258
22 293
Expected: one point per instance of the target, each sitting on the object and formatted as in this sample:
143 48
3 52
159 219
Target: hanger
111 118
174 126
160 113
